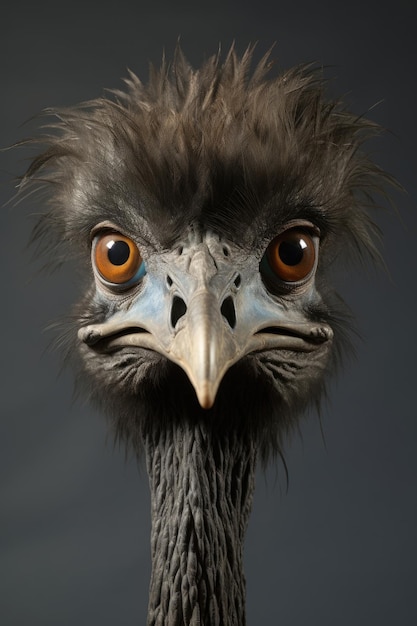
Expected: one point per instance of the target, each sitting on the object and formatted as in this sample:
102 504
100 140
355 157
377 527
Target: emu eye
117 259
290 256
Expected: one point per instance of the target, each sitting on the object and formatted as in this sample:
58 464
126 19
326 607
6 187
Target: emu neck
202 487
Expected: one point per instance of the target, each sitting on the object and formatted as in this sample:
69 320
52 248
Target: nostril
228 311
178 309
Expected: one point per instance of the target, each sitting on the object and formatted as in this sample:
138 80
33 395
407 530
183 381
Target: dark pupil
291 252
118 253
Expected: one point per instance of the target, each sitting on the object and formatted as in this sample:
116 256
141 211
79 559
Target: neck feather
202 485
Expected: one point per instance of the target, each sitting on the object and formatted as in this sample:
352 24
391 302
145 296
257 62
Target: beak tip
206 395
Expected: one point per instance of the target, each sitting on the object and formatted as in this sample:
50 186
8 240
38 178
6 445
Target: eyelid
107 226
306 225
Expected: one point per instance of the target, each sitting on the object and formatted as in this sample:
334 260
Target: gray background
340 547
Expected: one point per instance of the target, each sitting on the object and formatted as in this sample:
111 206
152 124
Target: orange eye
291 255
117 258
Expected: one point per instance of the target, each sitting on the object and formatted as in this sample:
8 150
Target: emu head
208 206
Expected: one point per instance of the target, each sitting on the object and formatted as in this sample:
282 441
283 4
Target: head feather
232 149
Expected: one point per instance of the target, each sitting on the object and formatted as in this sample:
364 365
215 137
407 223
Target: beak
204 346
204 316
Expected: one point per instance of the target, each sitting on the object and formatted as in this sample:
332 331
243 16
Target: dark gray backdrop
340 547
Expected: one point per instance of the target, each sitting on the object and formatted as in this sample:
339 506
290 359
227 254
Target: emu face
207 304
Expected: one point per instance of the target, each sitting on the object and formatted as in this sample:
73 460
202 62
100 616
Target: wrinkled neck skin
201 493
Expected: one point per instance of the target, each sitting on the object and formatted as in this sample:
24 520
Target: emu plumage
207 207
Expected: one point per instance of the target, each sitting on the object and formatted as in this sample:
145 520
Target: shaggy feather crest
227 147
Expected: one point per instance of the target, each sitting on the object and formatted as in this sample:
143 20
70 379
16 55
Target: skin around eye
116 257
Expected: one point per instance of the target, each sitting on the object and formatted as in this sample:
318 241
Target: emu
207 207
